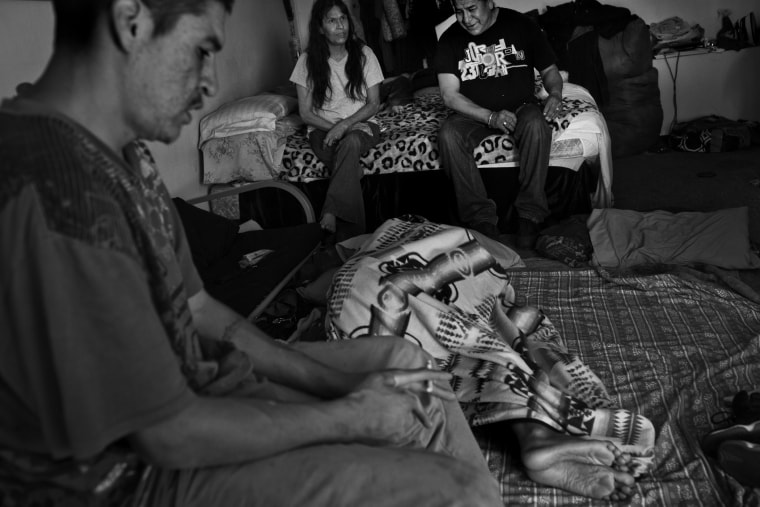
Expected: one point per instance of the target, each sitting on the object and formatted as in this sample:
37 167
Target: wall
724 84
256 57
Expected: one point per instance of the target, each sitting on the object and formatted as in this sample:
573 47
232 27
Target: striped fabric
668 348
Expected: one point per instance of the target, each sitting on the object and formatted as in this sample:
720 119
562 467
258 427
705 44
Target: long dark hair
318 52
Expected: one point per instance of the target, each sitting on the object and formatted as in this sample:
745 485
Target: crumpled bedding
626 238
440 287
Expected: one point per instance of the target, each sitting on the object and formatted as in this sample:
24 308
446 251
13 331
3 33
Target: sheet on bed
666 347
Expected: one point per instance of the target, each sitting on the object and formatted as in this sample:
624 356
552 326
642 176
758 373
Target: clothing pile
675 34
737 447
608 50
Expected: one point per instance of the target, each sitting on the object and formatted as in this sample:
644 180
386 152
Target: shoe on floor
527 233
746 432
487 229
746 407
741 460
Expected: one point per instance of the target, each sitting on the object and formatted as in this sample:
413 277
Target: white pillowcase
249 114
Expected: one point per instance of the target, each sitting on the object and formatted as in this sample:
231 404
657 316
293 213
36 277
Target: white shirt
338 106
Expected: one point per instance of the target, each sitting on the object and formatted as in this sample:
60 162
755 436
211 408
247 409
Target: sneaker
487 229
746 432
746 407
527 233
741 460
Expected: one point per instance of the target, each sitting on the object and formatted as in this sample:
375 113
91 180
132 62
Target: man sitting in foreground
114 356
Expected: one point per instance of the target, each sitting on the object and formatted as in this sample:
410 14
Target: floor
677 181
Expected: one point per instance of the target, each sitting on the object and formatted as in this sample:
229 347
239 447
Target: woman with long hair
338 81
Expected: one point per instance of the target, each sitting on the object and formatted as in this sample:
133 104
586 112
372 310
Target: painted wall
255 58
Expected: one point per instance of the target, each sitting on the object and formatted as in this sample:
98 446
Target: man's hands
503 120
392 403
506 120
552 107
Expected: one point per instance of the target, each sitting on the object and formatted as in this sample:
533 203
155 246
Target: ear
130 22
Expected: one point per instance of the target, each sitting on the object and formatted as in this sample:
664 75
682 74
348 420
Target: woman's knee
352 142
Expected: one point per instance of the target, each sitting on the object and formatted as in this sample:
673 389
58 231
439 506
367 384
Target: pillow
250 114
623 238
209 236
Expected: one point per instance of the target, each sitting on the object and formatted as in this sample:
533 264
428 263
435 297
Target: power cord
673 77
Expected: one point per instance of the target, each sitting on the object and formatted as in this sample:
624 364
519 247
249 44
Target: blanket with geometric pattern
440 287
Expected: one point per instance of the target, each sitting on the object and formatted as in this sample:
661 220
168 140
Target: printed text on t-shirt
481 61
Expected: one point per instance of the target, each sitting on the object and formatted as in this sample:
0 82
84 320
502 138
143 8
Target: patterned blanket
666 348
439 287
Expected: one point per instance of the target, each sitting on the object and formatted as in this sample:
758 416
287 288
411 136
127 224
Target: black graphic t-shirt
495 68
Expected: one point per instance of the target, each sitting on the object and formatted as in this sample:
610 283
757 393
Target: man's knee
449 135
462 484
532 122
401 353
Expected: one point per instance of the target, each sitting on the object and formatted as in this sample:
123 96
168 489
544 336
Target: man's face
169 75
335 27
475 16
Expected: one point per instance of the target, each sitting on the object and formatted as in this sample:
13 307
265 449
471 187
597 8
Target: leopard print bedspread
410 142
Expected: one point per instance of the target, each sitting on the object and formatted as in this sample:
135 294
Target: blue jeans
344 194
458 138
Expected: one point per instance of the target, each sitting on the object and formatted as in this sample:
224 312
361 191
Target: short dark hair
75 20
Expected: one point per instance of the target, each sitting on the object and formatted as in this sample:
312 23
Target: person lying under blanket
448 291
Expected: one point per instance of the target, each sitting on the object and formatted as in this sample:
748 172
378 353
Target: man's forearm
463 105
552 80
220 431
271 358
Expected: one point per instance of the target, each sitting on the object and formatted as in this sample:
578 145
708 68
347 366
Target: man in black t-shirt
485 64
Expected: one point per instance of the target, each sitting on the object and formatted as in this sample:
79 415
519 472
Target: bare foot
594 468
542 447
595 481
328 222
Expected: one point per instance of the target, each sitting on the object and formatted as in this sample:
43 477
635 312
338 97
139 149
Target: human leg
452 434
449 470
343 208
457 139
533 137
326 155
331 476
594 468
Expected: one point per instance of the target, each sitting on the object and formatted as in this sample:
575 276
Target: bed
280 150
